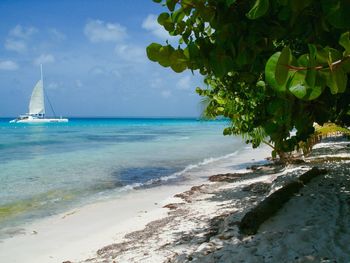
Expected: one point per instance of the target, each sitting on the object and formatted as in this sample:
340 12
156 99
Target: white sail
37 104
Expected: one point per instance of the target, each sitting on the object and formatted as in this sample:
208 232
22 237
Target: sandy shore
201 221
79 233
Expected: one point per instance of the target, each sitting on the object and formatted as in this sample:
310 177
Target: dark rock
229 177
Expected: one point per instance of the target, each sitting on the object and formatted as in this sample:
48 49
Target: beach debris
186 196
173 206
228 177
69 214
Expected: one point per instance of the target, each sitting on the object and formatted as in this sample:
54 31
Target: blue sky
94 59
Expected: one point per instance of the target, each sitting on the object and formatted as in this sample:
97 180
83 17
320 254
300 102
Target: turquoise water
47 168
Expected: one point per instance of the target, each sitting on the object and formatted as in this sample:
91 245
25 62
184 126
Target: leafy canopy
270 66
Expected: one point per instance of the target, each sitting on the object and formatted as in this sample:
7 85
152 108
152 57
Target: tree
272 67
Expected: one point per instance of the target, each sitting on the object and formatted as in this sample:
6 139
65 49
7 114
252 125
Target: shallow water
47 168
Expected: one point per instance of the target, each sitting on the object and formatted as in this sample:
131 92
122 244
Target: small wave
177 175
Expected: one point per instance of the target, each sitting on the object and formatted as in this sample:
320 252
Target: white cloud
44 59
8 65
15 45
18 37
98 71
100 31
53 86
151 24
166 93
22 32
131 53
184 83
156 82
57 35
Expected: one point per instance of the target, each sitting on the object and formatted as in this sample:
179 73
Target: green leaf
153 51
298 90
178 15
337 81
227 131
270 70
282 66
220 109
346 65
259 9
157 1
171 4
344 41
220 100
261 84
164 57
163 18
178 61
297 85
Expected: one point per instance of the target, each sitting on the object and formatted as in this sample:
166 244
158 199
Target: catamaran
36 112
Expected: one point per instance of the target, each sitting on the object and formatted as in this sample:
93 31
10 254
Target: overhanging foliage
270 66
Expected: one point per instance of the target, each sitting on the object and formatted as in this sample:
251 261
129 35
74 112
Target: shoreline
198 220
313 226
77 234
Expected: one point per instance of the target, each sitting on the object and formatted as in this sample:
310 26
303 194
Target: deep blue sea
48 168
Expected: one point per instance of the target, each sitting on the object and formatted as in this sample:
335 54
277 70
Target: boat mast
41 76
41 73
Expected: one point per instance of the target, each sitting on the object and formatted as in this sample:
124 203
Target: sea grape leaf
270 70
178 61
304 60
178 15
315 91
259 9
346 65
298 90
297 85
164 57
337 80
153 51
171 4
344 41
163 18
306 84
282 66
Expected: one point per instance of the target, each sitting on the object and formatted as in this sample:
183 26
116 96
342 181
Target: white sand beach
201 221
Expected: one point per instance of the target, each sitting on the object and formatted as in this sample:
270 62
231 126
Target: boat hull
40 120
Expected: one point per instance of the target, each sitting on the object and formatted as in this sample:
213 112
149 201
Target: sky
94 59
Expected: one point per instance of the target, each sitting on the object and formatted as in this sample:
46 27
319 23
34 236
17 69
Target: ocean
46 169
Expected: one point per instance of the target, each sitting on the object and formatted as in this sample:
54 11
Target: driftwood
252 220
